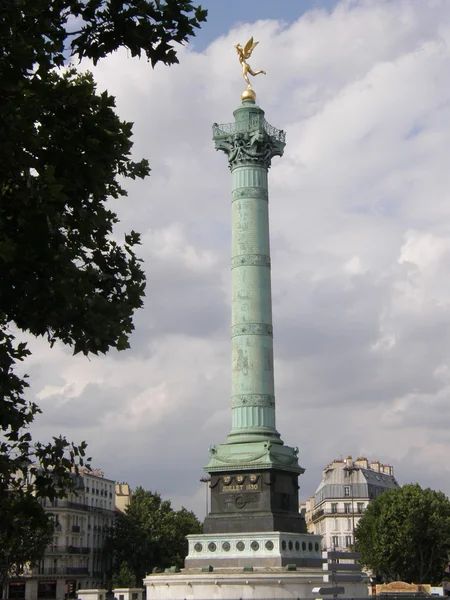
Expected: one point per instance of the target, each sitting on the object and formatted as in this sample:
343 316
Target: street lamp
206 480
350 467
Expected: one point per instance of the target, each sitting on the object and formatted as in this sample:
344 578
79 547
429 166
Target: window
348 525
346 490
16 590
46 589
348 541
360 507
335 525
335 541
347 508
334 507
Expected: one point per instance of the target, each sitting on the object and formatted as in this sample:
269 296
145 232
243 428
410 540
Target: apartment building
344 493
76 558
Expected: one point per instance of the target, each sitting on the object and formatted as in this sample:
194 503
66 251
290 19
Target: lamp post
350 468
206 480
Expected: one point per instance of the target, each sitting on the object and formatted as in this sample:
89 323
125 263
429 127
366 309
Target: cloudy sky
360 220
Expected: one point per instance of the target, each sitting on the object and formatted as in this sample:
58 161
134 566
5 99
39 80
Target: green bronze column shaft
250 143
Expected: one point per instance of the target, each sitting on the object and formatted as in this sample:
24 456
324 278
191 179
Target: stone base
252 501
229 584
259 549
264 565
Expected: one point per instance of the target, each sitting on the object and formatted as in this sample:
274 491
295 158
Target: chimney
362 462
348 461
375 465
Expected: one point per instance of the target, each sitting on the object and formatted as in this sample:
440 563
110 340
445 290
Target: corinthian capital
252 142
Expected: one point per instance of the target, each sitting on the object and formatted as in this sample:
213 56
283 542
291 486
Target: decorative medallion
240 546
198 547
240 501
269 545
253 477
239 478
227 479
212 547
254 545
226 546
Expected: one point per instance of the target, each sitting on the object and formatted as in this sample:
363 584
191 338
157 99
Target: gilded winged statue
244 53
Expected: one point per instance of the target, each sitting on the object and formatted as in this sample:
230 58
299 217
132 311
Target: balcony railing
255 123
68 550
74 505
82 506
62 571
338 512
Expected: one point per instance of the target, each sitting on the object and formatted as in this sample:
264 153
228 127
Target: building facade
76 558
344 493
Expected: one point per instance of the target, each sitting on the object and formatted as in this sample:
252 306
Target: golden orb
248 94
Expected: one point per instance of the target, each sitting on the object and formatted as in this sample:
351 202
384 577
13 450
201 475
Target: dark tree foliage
405 534
63 153
150 534
24 535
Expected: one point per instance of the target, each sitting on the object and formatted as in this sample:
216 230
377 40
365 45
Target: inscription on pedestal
249 487
242 484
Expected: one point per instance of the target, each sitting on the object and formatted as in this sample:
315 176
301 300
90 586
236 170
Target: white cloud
360 242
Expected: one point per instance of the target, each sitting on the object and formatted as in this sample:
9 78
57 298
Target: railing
80 506
253 124
69 504
62 571
339 512
68 550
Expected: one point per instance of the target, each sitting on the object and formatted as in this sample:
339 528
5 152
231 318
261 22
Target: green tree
124 578
24 537
405 534
63 152
151 534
